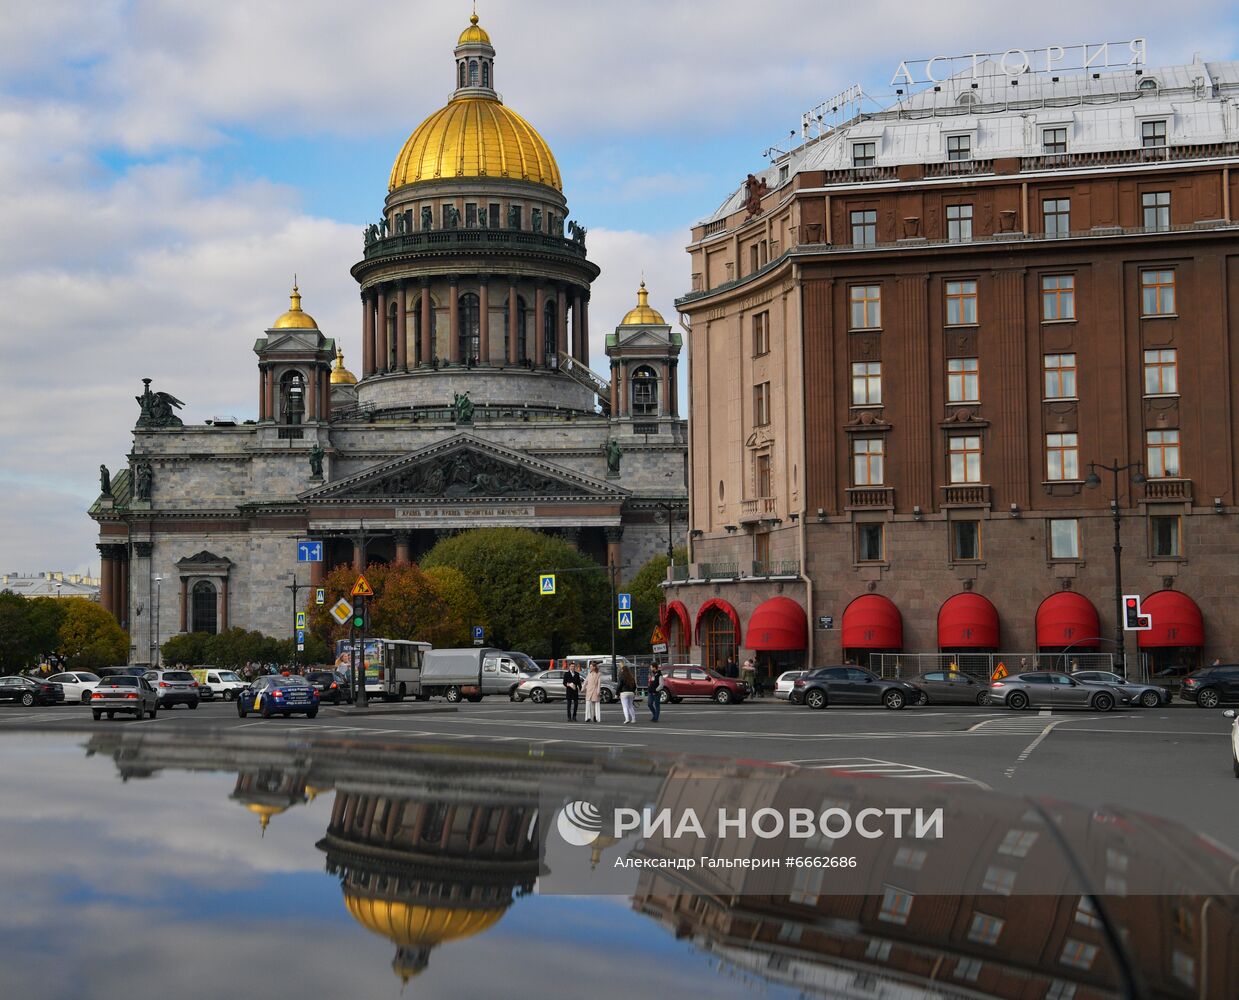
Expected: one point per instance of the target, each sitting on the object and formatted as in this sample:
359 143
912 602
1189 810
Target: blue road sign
624 602
320 595
300 636
625 619
300 620
546 584
309 552
479 632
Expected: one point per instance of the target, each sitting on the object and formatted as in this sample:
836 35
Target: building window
761 404
867 455
1054 141
1156 206
471 215
514 216
961 303
870 541
1162 450
864 154
965 456
1017 843
644 392
880 950
761 473
1056 216
1086 913
1061 990
1078 954
866 383
963 380
968 969
492 215
1161 372
959 223
486 73
1058 297
1164 539
719 639
896 906
865 227
1157 293
866 303
985 929
1153 134
761 334
911 858
204 607
761 547
473 72
1062 457
469 319
1064 538
999 881
958 147
1060 376
965 541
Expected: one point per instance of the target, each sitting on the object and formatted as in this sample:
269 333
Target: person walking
593 694
729 668
573 682
627 694
749 675
654 692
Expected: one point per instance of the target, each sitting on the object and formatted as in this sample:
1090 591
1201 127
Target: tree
17 645
406 605
90 637
46 615
647 595
185 650
464 609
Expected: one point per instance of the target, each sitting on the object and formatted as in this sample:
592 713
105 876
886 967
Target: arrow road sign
546 584
309 551
362 588
341 611
623 602
625 619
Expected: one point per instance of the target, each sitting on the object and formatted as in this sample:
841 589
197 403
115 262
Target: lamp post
671 510
1092 481
155 655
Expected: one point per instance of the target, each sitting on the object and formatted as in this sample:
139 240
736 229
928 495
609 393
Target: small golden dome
264 813
474 34
295 319
644 314
340 376
410 925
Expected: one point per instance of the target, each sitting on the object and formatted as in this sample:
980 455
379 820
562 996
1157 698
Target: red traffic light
1131 602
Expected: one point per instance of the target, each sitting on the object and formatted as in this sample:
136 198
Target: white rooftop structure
50 584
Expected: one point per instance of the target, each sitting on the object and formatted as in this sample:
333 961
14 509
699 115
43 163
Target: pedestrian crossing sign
1000 672
625 619
300 620
546 584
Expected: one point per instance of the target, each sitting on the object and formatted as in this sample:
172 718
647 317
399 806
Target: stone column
539 325
140 634
620 392
359 556
262 393
667 388
311 396
585 329
614 389
107 579
674 379
270 394
184 605
576 326
324 381
453 307
402 328
561 322
367 334
513 324
614 534
122 587
402 548
382 335
484 319
427 342
222 613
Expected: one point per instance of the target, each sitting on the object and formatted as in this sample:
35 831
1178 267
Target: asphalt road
1173 761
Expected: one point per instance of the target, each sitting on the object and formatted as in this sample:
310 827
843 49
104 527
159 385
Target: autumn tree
90 637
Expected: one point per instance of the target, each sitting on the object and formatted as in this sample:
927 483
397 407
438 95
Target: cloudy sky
167 165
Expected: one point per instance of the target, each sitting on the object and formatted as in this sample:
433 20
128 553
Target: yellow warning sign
1000 672
362 588
658 636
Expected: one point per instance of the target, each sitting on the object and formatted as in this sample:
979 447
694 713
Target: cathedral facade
476 405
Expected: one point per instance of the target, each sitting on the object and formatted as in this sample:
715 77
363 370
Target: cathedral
476 403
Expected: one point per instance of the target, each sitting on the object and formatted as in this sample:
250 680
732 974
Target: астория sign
1016 62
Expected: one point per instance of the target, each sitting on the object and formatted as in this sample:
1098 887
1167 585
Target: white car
78 684
783 686
1230 713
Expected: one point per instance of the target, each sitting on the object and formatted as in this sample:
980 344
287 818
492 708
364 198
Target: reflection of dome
339 374
295 319
474 34
643 314
264 813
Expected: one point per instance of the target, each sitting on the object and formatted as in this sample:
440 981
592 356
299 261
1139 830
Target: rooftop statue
157 408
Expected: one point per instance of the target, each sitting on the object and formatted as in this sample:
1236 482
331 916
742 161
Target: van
214 682
471 672
602 659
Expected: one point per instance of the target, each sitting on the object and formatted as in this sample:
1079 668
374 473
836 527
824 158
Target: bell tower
645 358
294 370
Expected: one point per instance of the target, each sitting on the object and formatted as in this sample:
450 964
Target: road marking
886 769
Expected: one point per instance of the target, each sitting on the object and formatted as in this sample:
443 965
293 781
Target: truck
470 673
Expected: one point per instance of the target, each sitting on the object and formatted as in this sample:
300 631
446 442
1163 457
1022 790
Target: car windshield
293 680
88 678
119 680
525 664
228 675
178 675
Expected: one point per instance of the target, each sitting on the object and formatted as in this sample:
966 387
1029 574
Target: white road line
887 769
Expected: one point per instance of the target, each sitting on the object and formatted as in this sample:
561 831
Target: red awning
967 621
676 610
871 621
1176 621
1067 619
721 605
778 624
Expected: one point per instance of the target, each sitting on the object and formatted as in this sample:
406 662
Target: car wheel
153 713
607 697
1235 762
452 694
983 698
27 699
241 712
723 696
266 710
287 715
312 713
815 699
537 696
894 699
474 698
1103 702
665 696
1017 700
400 694
193 704
85 697
96 713
1208 698
922 698
1150 699
111 715
229 695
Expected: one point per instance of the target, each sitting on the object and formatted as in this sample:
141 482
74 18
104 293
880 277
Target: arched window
204 619
486 73
292 397
550 329
462 73
677 639
522 318
473 72
719 640
470 316
644 392
391 336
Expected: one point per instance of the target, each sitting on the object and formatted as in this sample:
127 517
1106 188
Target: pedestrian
573 682
593 694
627 694
749 675
1075 665
654 692
729 668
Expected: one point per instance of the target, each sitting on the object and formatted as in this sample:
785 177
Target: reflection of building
269 792
474 403
911 335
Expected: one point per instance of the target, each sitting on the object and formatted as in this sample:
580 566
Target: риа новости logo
579 823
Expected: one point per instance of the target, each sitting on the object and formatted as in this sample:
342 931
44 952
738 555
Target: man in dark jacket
654 692
572 690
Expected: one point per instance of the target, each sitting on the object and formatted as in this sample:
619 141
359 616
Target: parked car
30 690
697 682
1230 713
174 687
124 693
1051 689
852 686
122 671
549 686
77 684
330 686
950 687
277 694
213 683
1148 695
1211 686
783 684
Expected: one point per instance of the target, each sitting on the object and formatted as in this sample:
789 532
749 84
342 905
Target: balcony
719 570
777 567
1168 491
966 495
868 497
678 572
757 509
436 241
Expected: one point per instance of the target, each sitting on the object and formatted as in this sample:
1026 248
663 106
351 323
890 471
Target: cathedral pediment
466 468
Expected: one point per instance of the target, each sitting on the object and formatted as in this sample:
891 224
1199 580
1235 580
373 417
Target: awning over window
721 605
778 624
675 610
1067 619
871 621
1176 621
967 621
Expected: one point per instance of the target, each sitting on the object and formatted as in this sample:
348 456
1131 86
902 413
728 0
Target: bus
393 666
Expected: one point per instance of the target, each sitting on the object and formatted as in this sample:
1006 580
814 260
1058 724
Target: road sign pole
362 700
612 572
294 587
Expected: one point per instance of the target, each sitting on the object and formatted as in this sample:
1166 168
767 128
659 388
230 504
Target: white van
216 683
602 659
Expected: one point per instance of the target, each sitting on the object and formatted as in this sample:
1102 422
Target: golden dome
474 34
340 376
411 925
295 319
264 813
475 137
644 314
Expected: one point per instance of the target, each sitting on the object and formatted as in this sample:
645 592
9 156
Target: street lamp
1092 481
671 510
155 656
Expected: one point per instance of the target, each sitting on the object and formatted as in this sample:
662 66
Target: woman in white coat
593 694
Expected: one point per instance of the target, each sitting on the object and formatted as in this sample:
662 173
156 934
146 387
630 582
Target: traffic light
1133 619
359 615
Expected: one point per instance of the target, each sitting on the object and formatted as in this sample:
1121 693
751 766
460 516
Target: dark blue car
276 694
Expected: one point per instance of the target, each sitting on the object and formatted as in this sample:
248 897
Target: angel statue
157 408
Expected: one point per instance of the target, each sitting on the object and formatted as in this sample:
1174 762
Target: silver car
549 686
783 685
1050 689
126 694
1148 695
174 687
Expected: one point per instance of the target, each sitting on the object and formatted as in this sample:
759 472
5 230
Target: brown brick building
913 334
